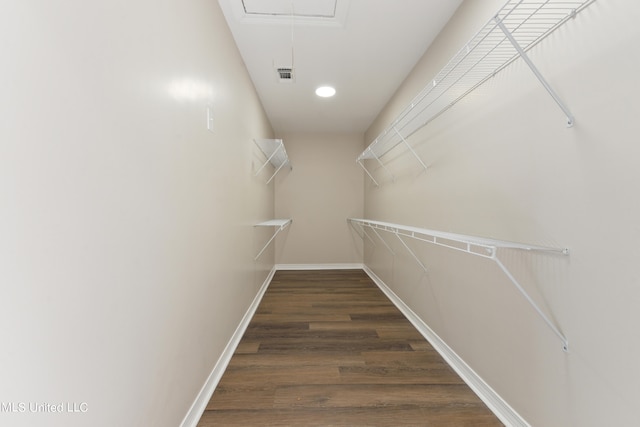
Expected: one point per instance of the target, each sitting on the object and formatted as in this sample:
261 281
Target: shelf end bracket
364 233
368 173
383 241
410 147
554 328
278 230
536 72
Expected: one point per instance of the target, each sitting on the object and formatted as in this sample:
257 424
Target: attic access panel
297 8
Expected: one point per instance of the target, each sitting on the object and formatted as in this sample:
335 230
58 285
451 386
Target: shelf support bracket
276 171
393 178
485 248
270 155
383 241
362 226
368 173
410 148
554 328
534 69
364 232
267 161
278 230
413 254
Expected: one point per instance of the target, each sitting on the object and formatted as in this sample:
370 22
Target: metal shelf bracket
479 246
410 147
534 69
413 254
280 225
274 151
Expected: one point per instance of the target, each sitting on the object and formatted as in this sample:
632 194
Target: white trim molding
496 404
200 404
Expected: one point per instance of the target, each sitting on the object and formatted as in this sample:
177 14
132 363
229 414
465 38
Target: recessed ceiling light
325 91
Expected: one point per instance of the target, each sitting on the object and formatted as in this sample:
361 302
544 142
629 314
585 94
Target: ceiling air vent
285 75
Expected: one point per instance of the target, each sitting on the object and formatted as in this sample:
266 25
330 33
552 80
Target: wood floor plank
352 417
328 348
397 375
237 398
368 395
397 330
346 346
301 317
272 376
349 325
276 334
426 359
247 347
288 360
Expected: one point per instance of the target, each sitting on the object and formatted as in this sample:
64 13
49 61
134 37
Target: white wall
503 165
322 190
126 248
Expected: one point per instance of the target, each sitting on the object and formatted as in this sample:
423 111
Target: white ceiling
364 48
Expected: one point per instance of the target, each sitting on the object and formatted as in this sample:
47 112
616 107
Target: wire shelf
473 245
280 225
275 153
514 29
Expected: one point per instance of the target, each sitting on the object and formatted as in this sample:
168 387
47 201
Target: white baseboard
496 404
338 266
200 404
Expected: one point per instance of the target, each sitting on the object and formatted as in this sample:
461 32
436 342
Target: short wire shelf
280 225
275 154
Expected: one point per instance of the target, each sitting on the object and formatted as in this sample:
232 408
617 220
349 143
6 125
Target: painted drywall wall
126 256
502 164
322 190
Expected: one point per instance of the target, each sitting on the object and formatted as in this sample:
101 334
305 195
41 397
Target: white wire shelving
479 246
279 224
514 29
275 154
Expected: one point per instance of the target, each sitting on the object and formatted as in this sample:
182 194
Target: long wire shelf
514 29
275 154
279 224
479 246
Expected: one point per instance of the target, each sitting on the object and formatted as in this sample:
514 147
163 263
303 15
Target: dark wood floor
327 348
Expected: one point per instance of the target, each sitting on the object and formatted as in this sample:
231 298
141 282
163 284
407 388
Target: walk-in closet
319 212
